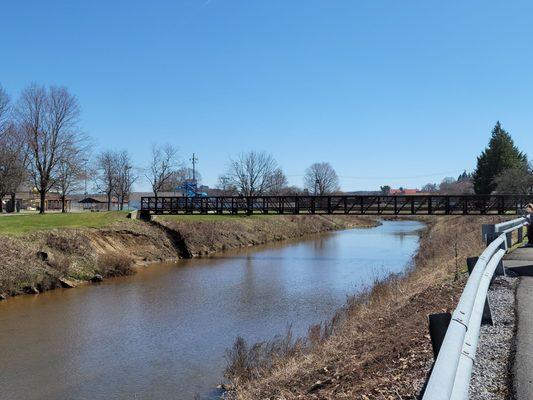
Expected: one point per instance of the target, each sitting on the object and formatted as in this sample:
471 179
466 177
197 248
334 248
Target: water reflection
162 333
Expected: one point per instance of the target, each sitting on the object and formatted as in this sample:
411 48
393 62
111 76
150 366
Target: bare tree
321 178
5 112
226 186
252 173
70 173
106 178
179 177
450 185
13 152
430 188
124 177
49 119
163 164
13 157
277 183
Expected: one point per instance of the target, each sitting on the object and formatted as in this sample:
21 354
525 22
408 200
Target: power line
393 177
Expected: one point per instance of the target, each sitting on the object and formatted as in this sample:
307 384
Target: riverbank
93 246
377 346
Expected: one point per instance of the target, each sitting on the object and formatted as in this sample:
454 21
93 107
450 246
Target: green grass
26 223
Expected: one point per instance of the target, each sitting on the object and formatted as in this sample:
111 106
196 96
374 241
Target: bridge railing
452 370
339 204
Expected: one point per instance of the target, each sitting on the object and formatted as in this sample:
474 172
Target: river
162 333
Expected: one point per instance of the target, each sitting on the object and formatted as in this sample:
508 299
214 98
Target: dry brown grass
376 347
74 254
205 235
77 254
115 264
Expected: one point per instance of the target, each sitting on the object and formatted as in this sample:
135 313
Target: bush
61 263
69 244
245 363
115 264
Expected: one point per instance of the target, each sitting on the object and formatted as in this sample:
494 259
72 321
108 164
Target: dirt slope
51 258
377 346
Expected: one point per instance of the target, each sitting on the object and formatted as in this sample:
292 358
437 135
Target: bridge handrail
338 204
451 374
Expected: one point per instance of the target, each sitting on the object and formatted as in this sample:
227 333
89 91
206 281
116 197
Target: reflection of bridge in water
371 205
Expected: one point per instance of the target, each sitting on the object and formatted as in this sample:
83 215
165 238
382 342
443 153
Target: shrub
245 363
69 244
61 263
115 264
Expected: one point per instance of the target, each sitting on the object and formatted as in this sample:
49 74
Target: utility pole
194 159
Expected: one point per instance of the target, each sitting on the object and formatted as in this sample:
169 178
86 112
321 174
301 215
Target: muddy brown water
162 333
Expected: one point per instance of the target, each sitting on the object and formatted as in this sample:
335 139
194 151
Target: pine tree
500 155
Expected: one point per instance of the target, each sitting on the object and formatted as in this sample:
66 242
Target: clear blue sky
390 92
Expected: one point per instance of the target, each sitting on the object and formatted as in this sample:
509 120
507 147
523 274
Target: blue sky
389 92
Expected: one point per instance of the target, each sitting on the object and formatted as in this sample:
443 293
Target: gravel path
490 378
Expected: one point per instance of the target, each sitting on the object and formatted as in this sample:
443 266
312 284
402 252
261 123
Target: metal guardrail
452 370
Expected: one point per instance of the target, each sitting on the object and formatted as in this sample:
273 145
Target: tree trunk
63 203
109 202
13 203
1 205
42 194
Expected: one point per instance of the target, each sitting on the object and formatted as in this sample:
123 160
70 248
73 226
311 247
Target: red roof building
402 191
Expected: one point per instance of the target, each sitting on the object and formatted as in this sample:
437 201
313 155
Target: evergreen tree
500 155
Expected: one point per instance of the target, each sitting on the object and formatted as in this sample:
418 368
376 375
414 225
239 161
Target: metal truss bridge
339 204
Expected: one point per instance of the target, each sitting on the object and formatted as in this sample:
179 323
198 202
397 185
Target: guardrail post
509 240
438 325
486 319
520 234
488 233
500 270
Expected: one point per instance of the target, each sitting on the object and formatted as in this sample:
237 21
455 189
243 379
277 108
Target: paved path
521 262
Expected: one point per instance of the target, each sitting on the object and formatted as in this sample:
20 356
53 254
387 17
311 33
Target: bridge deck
373 205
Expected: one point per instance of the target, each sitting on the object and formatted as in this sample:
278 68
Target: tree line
501 169
43 147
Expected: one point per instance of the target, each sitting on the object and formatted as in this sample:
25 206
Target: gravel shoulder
492 377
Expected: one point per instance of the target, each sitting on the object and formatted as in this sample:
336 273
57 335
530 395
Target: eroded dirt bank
48 259
377 346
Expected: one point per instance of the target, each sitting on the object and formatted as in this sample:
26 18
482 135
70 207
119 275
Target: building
403 191
31 201
96 202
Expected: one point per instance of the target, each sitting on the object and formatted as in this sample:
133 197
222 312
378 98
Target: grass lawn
26 223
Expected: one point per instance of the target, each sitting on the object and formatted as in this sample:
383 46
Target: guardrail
455 355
